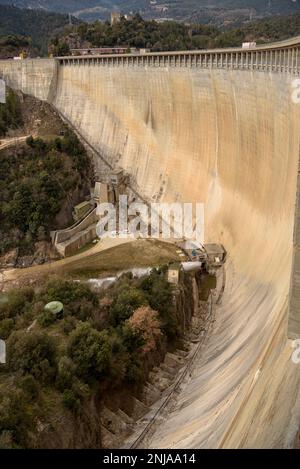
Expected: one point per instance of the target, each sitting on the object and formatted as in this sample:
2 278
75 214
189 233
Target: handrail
288 43
280 57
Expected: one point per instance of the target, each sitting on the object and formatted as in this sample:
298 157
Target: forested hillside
38 25
174 36
220 12
40 181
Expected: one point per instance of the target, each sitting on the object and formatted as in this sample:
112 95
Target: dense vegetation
220 11
34 30
35 180
10 113
102 341
13 46
140 33
175 36
38 25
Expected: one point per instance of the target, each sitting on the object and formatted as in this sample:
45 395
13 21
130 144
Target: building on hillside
215 254
100 193
104 51
174 273
82 209
128 17
115 17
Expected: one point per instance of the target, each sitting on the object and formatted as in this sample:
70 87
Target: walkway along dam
218 127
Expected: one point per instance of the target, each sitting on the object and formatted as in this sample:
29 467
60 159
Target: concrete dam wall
230 139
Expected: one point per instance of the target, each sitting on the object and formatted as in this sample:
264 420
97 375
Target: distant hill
217 12
39 25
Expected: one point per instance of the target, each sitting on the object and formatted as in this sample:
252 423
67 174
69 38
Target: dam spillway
224 132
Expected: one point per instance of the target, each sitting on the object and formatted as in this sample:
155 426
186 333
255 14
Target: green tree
32 352
126 302
90 351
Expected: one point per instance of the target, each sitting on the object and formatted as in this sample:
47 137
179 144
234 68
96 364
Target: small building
215 254
174 273
128 17
56 308
115 17
116 177
100 193
81 210
249 45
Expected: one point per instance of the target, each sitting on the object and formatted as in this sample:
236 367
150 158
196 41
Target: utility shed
100 193
215 254
116 177
174 273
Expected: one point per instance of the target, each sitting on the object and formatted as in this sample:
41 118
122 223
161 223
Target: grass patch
140 253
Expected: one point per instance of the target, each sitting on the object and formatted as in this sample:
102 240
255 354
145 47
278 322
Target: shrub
30 387
6 327
132 340
32 352
46 318
145 322
119 359
70 401
134 372
90 351
158 291
18 301
77 298
66 373
127 301
68 324
16 420
10 113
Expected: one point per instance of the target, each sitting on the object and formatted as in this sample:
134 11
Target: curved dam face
229 139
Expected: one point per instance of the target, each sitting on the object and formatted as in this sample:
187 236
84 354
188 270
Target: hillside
40 180
173 35
39 25
220 12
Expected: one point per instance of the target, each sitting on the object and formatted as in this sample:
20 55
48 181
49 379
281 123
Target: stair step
108 439
171 371
150 395
139 408
173 360
182 353
113 422
125 417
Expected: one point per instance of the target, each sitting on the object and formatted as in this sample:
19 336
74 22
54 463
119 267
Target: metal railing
281 57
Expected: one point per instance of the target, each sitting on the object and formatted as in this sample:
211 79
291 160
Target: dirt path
10 142
10 275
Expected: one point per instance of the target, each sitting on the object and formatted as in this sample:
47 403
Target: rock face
10 258
229 139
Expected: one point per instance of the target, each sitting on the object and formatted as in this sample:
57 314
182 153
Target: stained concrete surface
229 139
